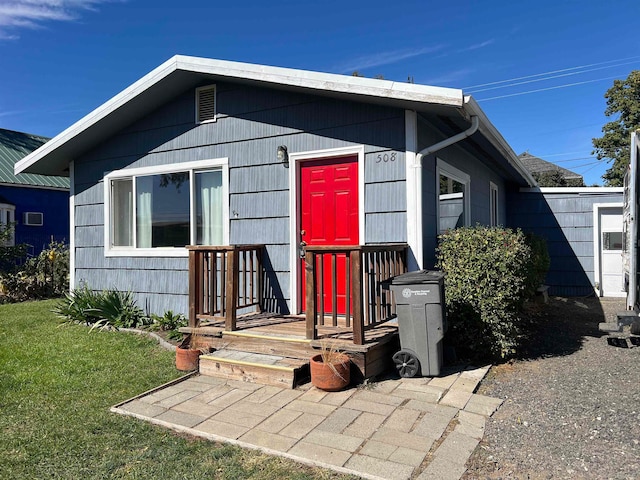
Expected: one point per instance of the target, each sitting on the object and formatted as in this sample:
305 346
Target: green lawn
56 386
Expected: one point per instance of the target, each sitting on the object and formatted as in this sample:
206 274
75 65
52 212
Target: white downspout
415 217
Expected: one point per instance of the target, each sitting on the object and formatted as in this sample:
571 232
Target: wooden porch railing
222 280
364 268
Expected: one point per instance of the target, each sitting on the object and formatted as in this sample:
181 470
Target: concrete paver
180 418
383 430
319 453
379 468
365 425
483 405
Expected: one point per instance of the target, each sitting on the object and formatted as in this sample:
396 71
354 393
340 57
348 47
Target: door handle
301 250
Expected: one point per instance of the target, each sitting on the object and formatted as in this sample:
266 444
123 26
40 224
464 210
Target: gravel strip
572 408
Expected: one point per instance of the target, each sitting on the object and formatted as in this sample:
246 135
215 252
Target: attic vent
33 219
206 104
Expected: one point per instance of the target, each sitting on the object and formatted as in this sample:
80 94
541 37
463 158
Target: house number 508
386 157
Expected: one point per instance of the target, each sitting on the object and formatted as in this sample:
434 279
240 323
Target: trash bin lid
421 276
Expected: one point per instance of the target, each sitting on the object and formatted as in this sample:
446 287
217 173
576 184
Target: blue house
209 152
294 192
38 205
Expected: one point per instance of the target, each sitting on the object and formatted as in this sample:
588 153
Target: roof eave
357 87
495 137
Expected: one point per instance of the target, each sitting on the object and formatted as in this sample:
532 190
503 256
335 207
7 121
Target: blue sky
63 58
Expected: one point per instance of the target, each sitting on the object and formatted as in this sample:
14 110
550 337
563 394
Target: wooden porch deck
265 335
267 347
295 327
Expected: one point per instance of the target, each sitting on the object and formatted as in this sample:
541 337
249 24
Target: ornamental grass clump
489 271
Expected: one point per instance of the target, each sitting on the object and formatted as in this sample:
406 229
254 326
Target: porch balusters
366 267
223 280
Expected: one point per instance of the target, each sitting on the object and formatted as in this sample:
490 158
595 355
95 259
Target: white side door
611 237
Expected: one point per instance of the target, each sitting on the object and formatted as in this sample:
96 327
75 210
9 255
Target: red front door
329 216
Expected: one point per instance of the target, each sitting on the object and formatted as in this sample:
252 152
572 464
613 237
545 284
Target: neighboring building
583 230
37 204
549 174
202 151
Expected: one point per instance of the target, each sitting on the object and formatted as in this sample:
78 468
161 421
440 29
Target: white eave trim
584 190
496 138
319 81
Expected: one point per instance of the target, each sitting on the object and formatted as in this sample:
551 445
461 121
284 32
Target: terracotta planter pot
187 360
330 377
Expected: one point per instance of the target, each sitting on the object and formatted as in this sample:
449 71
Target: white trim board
597 254
109 251
72 227
295 159
227 70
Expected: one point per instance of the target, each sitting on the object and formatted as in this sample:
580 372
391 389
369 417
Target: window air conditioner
33 219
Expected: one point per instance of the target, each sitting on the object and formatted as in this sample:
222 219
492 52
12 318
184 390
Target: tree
554 178
623 100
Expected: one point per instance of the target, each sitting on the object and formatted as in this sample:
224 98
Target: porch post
195 276
310 294
356 289
231 290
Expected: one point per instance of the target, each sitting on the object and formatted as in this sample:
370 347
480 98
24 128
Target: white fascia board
98 114
496 138
329 82
586 190
235 70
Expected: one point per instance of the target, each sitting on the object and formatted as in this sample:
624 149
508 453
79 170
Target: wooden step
280 345
255 368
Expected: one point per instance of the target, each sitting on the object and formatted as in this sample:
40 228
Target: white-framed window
157 211
454 207
7 217
493 204
206 104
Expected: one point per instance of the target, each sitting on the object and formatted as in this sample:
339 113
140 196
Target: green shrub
79 306
170 322
106 309
488 274
11 257
540 262
43 276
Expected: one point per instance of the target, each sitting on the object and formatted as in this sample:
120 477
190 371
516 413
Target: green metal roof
14 146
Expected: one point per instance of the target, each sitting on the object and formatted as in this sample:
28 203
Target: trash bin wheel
407 363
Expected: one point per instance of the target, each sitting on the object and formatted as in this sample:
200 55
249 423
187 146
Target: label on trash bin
407 292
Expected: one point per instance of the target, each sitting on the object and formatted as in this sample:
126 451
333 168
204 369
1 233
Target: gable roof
538 165
14 146
182 72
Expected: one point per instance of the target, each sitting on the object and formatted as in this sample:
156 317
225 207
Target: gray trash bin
422 322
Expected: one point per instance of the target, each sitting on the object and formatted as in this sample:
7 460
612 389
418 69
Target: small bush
43 276
170 322
488 273
539 265
106 309
11 257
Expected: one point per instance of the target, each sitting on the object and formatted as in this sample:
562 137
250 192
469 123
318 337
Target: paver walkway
418 428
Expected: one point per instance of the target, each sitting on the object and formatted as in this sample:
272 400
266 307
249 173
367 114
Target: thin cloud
449 78
385 58
16 15
477 46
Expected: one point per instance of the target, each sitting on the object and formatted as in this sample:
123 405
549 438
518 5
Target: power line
545 89
495 87
551 72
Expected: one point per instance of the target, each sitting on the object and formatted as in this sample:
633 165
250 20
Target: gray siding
251 123
565 221
481 174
